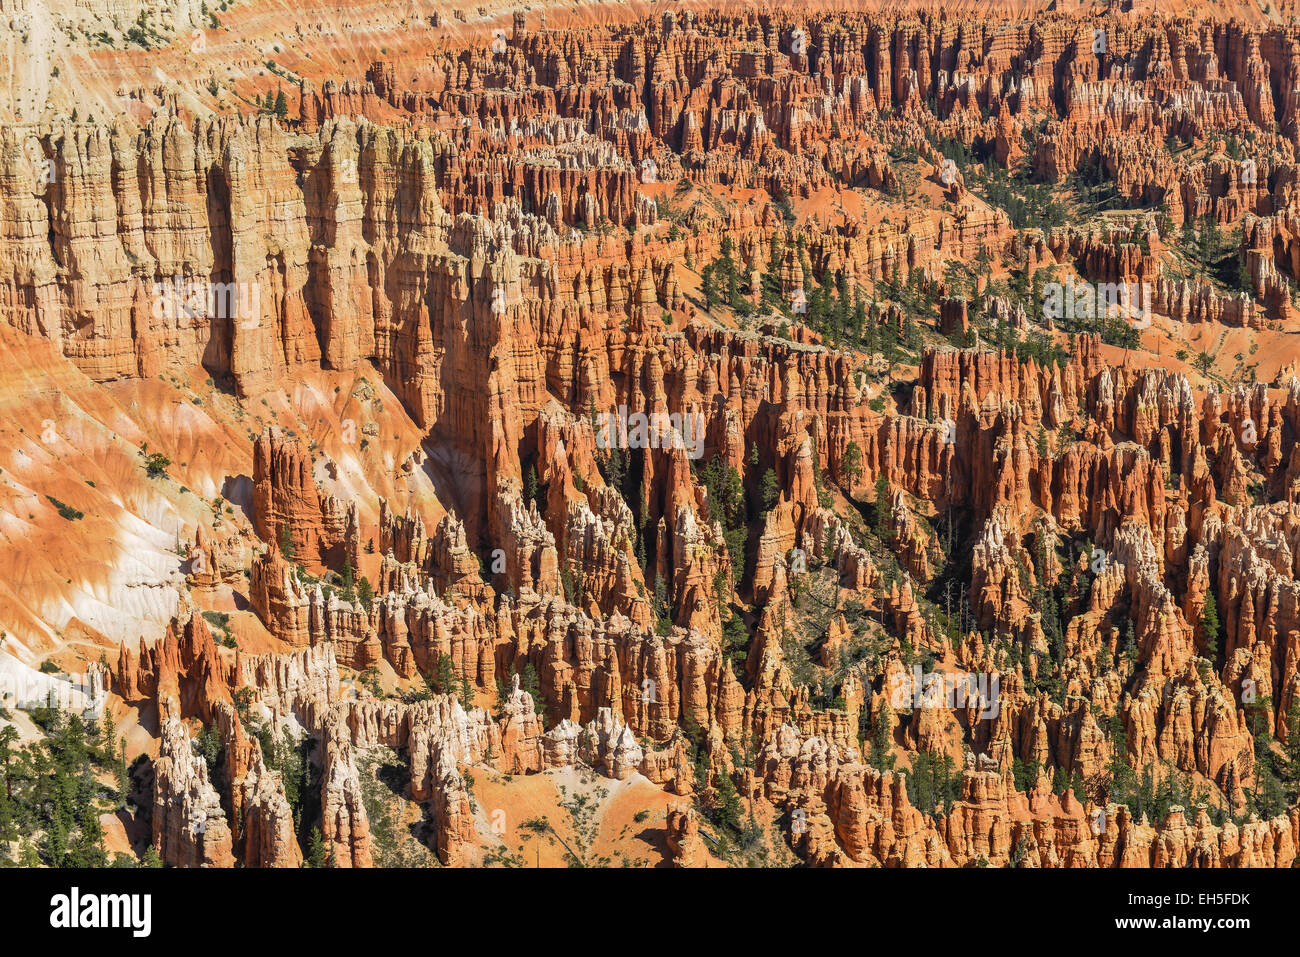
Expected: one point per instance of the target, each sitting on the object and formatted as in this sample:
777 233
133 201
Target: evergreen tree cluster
52 795
933 783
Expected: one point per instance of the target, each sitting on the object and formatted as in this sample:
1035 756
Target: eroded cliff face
677 402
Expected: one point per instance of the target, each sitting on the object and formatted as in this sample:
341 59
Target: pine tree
865 331
1060 780
566 582
316 849
530 485
53 844
1210 626
882 743
851 465
728 811
87 849
108 735
123 777
659 605
884 524
528 682
8 829
769 490
286 543
707 288
1293 737
348 582
1208 243
1076 785
920 783
442 679
771 279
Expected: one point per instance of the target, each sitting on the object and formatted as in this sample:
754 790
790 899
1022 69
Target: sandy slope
113 574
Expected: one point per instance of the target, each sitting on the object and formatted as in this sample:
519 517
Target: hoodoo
683 434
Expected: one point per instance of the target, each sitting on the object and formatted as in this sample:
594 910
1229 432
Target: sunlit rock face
888 422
